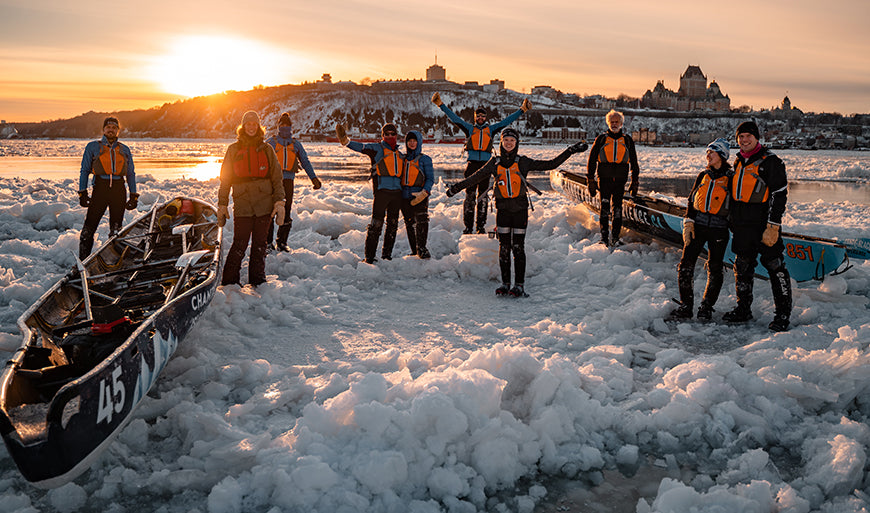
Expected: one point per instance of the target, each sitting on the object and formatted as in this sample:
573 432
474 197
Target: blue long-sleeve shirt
375 152
467 128
92 152
301 156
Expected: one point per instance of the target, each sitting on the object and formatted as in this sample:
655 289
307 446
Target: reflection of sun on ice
202 65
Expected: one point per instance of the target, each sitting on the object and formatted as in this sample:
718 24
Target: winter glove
436 98
579 147
223 214
278 212
315 183
526 106
419 196
688 231
342 134
632 188
84 200
770 235
451 191
592 185
133 202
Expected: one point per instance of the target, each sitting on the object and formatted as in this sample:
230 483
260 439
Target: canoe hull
54 436
807 258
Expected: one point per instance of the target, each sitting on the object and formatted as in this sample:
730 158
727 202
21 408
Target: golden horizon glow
200 65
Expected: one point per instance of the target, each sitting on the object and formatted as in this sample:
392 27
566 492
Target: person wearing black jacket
612 156
510 188
706 222
759 190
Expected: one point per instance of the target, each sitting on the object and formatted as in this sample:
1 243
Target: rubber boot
422 229
504 256
686 283
389 238
481 218
411 230
616 230
373 233
86 243
744 275
780 284
714 286
468 211
283 234
604 224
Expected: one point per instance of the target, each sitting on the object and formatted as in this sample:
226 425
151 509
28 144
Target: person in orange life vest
111 163
612 156
479 140
387 165
417 180
292 156
251 169
706 222
512 203
759 190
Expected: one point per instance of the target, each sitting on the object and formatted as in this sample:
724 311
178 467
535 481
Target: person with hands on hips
111 163
252 171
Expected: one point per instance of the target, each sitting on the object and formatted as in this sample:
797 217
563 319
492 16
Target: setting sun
202 65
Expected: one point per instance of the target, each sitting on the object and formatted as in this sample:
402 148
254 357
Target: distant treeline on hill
364 109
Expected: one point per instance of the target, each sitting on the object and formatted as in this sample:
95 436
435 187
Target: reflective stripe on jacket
746 185
111 162
480 139
614 151
391 164
711 196
508 182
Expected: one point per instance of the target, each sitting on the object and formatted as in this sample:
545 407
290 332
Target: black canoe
96 341
806 257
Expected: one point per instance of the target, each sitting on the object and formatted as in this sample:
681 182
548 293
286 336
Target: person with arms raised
479 138
510 188
387 167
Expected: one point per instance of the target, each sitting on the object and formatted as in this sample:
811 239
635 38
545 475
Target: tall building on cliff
694 94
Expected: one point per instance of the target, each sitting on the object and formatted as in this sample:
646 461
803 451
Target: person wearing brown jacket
251 169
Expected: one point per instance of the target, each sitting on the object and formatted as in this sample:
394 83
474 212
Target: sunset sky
60 58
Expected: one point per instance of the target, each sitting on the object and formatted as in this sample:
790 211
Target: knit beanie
749 127
284 120
510 132
411 135
110 119
389 127
251 116
721 147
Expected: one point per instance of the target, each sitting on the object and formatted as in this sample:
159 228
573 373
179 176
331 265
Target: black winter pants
511 229
611 190
473 195
716 240
385 203
106 194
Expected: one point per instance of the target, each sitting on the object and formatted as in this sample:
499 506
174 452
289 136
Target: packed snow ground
408 386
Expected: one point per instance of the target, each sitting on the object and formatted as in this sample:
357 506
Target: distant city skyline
59 59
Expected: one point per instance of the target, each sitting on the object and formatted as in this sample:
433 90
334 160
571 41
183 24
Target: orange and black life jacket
711 196
413 176
746 185
111 162
287 157
480 139
391 164
614 150
508 182
251 162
